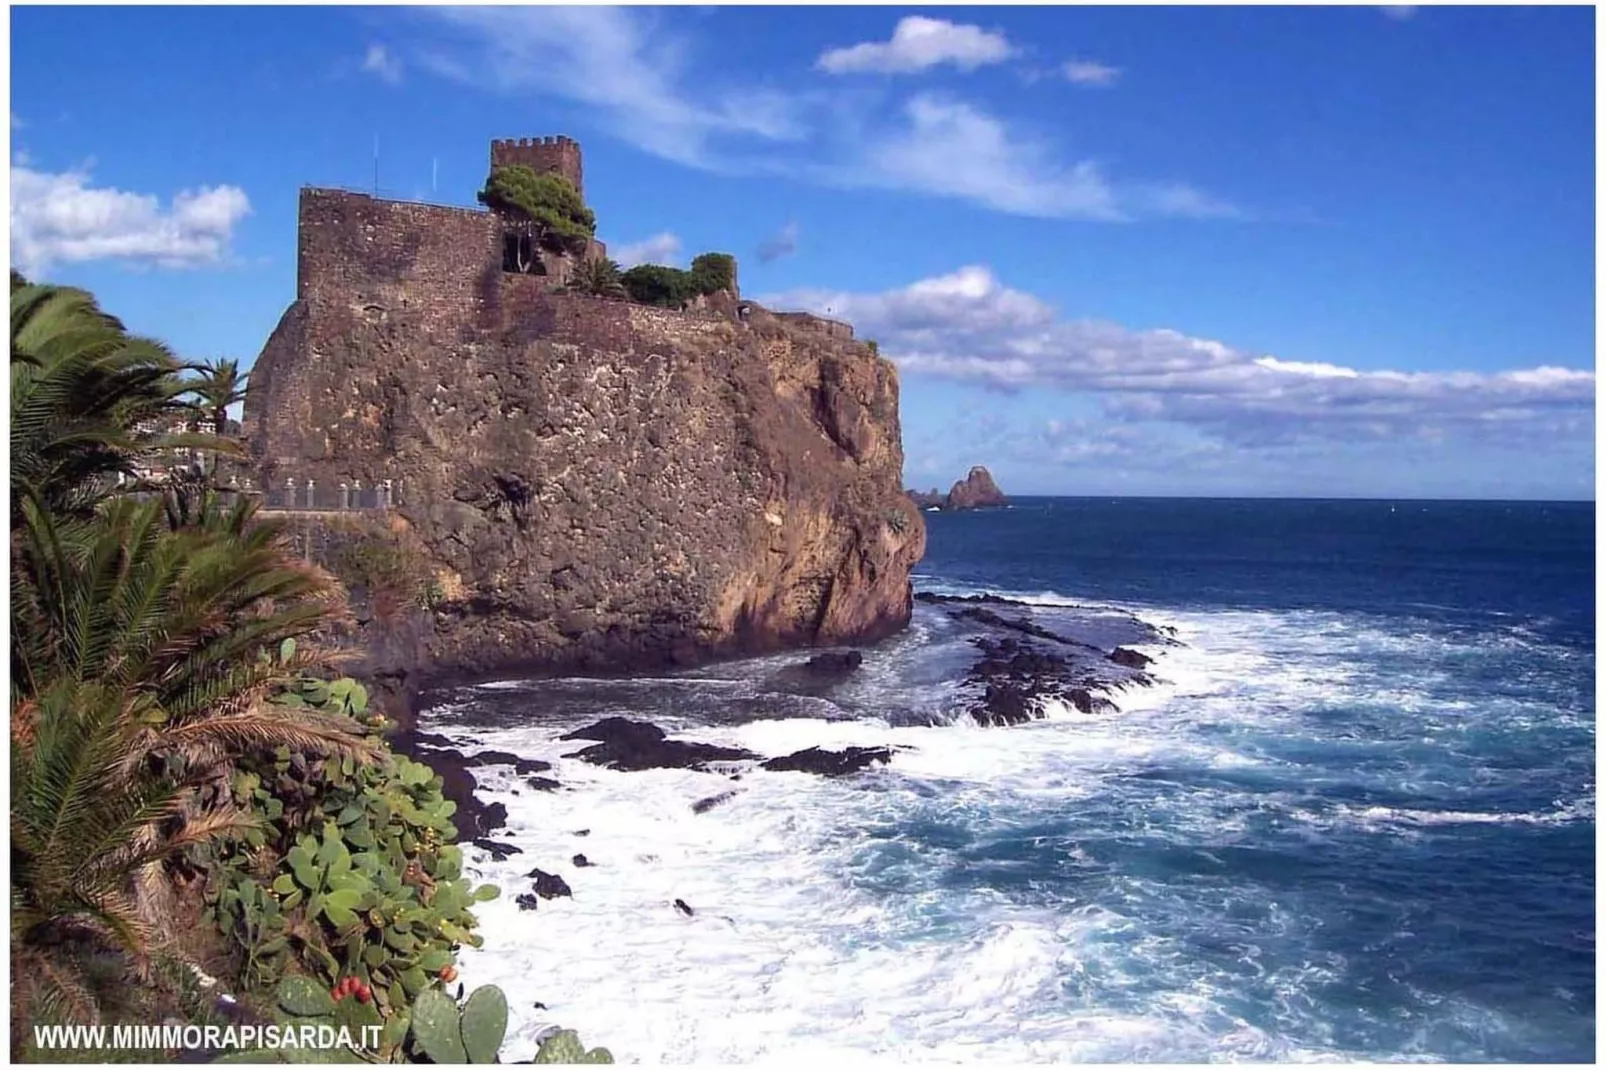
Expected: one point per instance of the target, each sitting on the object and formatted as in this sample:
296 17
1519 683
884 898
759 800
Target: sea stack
976 491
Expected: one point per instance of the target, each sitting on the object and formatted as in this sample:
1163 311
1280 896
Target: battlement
556 155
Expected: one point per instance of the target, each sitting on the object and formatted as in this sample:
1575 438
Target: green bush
655 284
712 272
667 287
546 200
350 871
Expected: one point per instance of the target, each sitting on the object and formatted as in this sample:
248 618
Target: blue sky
1211 251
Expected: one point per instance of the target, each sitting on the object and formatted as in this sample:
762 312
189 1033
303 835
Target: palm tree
219 386
138 628
88 401
598 277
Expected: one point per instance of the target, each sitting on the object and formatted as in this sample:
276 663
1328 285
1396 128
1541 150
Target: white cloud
61 217
780 244
968 325
380 62
1090 72
1398 12
636 80
919 43
616 61
951 148
661 248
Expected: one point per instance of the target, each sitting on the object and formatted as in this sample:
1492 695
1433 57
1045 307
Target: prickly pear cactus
484 1023
564 1047
304 997
436 1028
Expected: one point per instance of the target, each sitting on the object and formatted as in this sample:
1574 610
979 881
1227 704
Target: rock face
976 491
598 485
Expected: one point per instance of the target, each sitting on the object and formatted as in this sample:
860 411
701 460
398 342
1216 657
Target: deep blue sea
1355 819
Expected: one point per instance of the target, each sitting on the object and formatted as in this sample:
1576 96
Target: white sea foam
825 928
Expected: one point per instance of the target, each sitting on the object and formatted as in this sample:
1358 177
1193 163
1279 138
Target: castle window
519 255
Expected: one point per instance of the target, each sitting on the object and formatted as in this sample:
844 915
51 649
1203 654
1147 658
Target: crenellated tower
557 155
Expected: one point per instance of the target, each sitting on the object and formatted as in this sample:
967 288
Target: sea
1352 819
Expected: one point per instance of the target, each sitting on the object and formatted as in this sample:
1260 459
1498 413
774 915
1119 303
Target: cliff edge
598 485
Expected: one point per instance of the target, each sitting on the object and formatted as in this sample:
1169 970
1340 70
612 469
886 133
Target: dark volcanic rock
541 783
527 901
830 763
498 851
549 885
521 766
635 745
833 664
702 806
1025 627
1015 679
680 905
580 861
977 599
1132 659
820 672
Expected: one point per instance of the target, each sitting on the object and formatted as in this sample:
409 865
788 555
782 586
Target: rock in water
702 806
636 745
830 763
1132 659
527 902
976 491
498 851
549 885
592 485
680 905
580 861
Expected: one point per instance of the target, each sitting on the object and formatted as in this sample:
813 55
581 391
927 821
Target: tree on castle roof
549 201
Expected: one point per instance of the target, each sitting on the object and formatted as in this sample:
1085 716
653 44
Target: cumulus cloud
1091 73
780 244
380 62
969 326
662 248
62 217
919 43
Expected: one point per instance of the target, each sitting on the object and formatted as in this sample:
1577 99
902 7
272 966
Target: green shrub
712 272
667 287
351 870
546 200
655 284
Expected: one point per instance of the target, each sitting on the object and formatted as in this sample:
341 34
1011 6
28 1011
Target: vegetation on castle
547 201
667 287
189 788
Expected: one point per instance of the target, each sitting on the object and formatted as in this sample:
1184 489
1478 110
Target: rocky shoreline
1019 669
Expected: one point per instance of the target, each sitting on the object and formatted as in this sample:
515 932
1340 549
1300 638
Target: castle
356 242
592 483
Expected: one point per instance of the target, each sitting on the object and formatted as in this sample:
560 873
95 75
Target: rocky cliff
598 486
